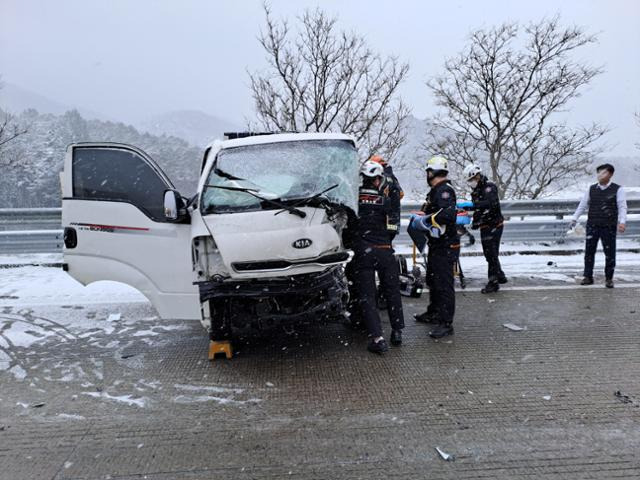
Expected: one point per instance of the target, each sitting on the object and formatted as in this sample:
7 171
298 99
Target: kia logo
302 243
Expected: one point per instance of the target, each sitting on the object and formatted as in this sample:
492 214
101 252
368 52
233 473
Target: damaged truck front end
267 244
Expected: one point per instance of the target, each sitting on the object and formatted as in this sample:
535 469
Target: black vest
373 208
603 205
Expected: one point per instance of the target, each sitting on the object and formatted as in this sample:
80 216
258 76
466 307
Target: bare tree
498 99
321 79
9 131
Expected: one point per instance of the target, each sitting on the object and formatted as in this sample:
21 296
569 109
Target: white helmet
438 163
372 169
471 171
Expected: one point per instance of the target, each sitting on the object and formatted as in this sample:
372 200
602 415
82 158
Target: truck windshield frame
281 171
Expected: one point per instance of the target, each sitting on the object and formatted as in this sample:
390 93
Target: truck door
116 227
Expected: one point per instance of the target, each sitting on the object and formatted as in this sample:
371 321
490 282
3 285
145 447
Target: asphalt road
83 396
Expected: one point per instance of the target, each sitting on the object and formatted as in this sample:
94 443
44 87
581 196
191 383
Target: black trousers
442 295
607 235
366 264
490 238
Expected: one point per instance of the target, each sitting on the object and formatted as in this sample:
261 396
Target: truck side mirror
171 202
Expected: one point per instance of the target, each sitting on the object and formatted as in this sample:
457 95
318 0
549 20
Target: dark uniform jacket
377 223
486 205
441 200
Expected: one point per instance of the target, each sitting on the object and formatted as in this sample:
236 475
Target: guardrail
521 224
31 241
39 230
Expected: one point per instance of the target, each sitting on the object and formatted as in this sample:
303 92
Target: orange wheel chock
218 347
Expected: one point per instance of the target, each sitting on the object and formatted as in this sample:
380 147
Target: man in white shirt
606 206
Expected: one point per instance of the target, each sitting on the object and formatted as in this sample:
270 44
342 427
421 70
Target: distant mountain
30 164
15 99
196 127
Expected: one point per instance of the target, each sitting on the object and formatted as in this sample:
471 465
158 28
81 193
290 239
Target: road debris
513 327
622 397
547 397
445 456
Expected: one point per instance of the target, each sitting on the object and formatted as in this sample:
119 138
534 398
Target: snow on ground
202 393
38 285
126 399
560 268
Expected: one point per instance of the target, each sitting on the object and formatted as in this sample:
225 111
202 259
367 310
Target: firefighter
376 227
396 194
487 216
439 223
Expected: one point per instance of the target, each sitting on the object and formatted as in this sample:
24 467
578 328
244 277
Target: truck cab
261 240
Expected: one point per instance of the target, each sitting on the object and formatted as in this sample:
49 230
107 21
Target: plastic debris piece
270 385
491 300
513 327
547 397
622 397
445 456
114 317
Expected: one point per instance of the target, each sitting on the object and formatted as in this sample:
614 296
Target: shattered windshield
283 171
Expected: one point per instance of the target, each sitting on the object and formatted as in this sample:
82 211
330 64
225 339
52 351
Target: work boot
491 287
608 283
587 281
441 330
396 337
378 347
502 279
426 317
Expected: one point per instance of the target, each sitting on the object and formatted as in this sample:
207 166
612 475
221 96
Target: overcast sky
132 59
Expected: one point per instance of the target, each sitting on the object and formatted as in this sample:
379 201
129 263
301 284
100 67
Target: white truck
260 241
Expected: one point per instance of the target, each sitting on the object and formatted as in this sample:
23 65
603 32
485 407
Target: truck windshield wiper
311 198
252 192
228 176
